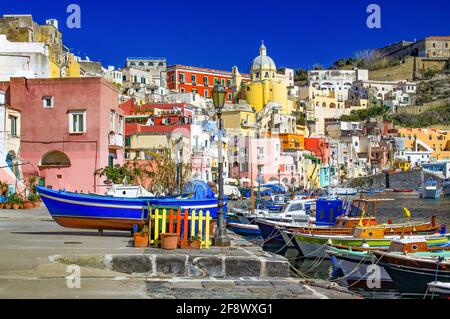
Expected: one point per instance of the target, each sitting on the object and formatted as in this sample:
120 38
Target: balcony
115 141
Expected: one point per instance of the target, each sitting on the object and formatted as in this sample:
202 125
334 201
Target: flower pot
7 206
28 205
169 241
36 204
140 239
195 244
15 206
184 244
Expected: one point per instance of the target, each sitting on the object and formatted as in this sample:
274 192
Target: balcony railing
115 140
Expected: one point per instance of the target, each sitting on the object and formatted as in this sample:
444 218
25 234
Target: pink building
70 128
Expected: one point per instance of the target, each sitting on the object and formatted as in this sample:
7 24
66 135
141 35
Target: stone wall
412 179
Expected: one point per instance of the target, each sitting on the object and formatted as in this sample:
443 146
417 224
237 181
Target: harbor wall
412 179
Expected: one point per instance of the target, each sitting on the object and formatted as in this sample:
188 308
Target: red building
188 79
320 147
70 127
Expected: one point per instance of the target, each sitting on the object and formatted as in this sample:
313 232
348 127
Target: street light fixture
220 237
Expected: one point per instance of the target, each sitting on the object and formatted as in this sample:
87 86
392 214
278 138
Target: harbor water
421 209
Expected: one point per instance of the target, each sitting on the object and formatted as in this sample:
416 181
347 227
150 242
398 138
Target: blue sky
220 34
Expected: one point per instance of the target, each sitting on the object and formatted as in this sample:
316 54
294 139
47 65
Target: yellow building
73 67
436 139
241 122
266 85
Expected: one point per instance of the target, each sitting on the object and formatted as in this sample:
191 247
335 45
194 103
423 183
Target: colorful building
266 85
70 128
185 79
320 147
437 140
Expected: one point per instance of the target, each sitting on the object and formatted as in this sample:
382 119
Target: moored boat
91 211
440 288
360 267
244 229
412 273
431 190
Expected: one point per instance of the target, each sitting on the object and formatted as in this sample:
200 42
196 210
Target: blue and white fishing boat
446 187
119 210
431 190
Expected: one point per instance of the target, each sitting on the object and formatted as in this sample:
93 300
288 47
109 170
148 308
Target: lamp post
220 237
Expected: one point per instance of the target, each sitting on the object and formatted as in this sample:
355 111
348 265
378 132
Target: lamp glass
218 95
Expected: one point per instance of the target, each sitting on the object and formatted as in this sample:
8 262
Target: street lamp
220 237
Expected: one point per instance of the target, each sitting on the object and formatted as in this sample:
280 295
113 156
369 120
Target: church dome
263 65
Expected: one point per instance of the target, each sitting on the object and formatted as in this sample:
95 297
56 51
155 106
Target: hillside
435 117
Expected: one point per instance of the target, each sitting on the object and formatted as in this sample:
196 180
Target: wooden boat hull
315 246
84 211
411 275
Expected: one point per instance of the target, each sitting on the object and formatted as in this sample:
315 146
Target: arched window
267 75
324 104
141 63
150 64
160 64
55 158
332 105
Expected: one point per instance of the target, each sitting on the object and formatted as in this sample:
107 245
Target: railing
186 223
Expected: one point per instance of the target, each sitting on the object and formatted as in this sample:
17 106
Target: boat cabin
368 232
409 245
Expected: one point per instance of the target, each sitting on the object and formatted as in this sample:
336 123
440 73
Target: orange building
189 79
290 142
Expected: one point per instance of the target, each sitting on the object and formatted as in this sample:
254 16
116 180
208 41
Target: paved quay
37 258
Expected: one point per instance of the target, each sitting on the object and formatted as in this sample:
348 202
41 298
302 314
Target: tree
317 67
164 171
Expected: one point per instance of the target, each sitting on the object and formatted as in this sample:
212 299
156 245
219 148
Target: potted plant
141 237
195 243
34 200
169 241
7 205
16 201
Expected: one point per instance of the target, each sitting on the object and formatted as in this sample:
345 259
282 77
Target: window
223 82
120 125
77 122
229 96
150 63
229 83
142 80
205 80
141 63
181 78
13 123
135 78
172 77
47 102
216 81
206 93
112 114
124 77
267 75
194 79
182 90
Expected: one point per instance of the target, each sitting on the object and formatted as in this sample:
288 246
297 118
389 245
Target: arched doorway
55 159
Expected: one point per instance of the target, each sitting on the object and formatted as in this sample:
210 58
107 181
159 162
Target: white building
9 142
390 93
23 59
113 75
339 81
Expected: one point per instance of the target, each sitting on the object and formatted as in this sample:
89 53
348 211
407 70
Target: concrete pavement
28 239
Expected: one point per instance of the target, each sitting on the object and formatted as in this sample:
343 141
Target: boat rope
286 245
350 273
272 235
367 273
